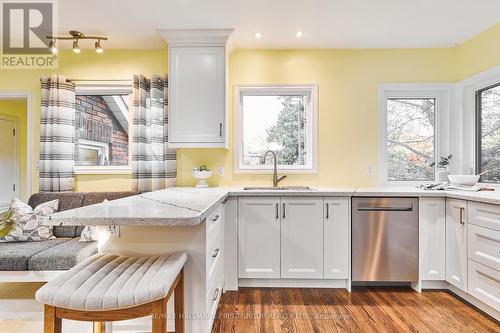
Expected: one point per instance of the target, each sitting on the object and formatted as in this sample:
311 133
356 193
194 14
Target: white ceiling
325 23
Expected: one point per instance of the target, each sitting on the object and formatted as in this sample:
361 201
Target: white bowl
202 177
464 180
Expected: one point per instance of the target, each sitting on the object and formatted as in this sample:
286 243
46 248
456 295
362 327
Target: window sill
280 171
106 170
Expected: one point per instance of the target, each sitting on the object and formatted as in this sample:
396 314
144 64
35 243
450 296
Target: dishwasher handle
385 209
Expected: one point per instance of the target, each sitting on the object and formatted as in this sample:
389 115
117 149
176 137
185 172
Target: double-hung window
102 129
281 118
411 131
488 133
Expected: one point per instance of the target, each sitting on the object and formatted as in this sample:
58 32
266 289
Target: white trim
196 37
103 170
442 92
463 140
104 87
293 283
24 95
28 276
16 152
312 88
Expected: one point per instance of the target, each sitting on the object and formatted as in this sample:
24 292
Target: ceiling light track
75 36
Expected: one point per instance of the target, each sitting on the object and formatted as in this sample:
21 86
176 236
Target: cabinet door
336 238
456 243
302 238
432 222
196 95
259 237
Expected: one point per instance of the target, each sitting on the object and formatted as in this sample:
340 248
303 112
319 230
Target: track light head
76 47
98 47
52 47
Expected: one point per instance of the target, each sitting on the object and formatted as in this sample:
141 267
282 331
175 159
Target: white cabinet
197 87
259 237
456 243
336 238
302 238
432 229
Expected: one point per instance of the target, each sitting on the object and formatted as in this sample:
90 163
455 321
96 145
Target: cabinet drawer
214 291
484 215
214 226
214 257
484 284
484 246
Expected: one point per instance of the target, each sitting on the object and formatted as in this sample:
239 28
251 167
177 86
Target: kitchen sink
271 188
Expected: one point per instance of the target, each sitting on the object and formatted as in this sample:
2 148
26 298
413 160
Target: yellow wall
111 64
479 53
17 109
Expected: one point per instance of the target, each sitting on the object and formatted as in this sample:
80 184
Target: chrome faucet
276 179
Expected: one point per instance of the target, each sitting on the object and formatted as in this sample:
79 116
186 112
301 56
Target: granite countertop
185 206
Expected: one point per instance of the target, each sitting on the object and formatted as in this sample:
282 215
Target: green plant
7 222
203 167
443 161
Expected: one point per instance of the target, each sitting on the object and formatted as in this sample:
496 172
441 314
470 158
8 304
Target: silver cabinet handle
284 210
216 294
220 129
462 211
327 210
385 209
216 217
216 253
277 211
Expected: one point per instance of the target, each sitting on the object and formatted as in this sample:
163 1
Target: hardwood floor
336 310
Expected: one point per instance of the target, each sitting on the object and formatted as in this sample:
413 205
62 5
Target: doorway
9 162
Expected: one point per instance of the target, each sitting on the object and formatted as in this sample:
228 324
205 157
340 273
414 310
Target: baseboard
475 302
292 283
434 284
28 276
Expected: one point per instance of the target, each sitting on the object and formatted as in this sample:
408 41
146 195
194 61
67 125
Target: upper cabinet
197 72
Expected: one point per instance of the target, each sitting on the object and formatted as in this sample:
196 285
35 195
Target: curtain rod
102 80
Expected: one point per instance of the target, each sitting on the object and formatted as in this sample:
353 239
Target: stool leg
179 304
159 316
51 324
99 327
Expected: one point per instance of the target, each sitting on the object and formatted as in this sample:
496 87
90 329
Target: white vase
442 175
202 177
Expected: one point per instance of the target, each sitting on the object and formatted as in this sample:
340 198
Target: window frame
442 93
269 89
105 88
477 129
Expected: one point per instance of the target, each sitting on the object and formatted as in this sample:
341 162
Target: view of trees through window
410 139
489 134
275 123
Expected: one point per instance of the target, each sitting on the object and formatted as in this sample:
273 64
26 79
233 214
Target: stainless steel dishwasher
385 239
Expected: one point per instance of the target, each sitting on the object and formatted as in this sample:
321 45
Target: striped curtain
57 136
153 163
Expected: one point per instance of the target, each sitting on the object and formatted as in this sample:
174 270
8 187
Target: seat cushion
15 256
67 200
63 256
111 282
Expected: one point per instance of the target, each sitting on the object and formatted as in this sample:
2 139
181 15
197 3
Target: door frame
16 151
27 96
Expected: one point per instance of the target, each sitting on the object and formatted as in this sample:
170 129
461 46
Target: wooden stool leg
159 316
99 327
179 304
51 324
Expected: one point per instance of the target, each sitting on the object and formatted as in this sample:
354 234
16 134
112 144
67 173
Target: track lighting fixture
76 36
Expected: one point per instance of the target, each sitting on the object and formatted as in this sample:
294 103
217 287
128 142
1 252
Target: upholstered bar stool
108 288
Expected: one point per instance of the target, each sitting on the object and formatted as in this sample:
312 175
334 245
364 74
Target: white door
456 243
336 238
259 237
302 238
197 94
432 222
8 162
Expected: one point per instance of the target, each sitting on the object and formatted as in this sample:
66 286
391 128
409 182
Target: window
102 128
413 131
410 139
488 133
278 118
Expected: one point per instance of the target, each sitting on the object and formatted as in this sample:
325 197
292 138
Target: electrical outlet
220 171
370 171
114 231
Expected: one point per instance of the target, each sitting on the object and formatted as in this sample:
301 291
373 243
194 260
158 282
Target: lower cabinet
432 227
456 243
293 237
302 238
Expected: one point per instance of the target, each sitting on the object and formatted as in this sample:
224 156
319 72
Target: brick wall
95 108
